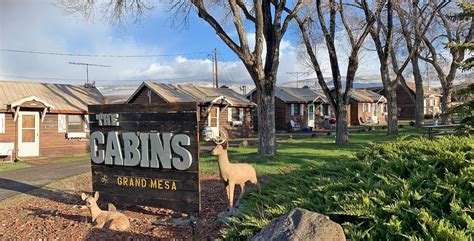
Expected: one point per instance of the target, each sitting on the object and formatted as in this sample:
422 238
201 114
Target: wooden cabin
367 108
303 106
406 105
219 108
44 120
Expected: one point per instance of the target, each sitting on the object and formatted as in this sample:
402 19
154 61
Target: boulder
301 224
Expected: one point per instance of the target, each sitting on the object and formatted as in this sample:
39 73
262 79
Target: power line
100 55
227 67
56 78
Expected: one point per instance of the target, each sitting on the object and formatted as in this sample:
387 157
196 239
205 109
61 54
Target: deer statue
110 219
232 173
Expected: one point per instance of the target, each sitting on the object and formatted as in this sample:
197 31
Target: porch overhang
17 104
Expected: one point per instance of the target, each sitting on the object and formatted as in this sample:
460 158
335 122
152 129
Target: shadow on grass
62 197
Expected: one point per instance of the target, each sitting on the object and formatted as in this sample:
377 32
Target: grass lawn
297 153
13 166
408 188
71 159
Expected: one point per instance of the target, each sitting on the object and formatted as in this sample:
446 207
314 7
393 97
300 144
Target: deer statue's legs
242 191
231 194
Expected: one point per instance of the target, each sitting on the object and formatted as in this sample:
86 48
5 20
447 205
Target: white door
28 134
375 118
311 115
213 120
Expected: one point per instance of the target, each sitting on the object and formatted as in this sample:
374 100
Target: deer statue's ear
225 145
84 196
96 196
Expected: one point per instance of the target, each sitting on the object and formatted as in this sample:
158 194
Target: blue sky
41 26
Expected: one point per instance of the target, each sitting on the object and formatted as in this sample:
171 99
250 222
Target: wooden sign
146 155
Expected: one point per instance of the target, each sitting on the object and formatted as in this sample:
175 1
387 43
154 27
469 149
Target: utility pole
88 83
297 74
216 66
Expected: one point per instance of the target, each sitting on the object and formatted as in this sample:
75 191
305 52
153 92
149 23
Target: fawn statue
110 219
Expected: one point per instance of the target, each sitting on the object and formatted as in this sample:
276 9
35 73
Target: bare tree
338 97
383 32
268 19
415 19
447 31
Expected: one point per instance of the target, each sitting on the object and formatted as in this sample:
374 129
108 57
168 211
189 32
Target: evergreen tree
467 14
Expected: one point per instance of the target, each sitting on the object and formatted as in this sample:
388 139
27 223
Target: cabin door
375 118
311 115
213 120
28 134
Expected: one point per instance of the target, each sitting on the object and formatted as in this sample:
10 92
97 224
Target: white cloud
38 25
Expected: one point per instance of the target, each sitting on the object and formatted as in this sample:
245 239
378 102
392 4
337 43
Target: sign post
146 155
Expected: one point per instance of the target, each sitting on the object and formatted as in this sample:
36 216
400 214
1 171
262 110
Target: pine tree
467 14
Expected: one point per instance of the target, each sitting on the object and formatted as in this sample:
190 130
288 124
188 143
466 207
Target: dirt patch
55 214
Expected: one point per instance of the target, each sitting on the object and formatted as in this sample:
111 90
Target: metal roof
62 97
289 94
364 95
172 93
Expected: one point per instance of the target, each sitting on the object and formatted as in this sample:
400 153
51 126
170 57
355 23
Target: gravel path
24 180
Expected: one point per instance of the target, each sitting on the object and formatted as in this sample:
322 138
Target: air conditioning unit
76 135
207 134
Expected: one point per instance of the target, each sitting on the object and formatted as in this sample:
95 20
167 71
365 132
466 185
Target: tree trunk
445 101
342 136
419 94
392 121
266 121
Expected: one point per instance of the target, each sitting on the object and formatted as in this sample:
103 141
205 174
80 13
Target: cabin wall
51 143
10 134
241 131
405 105
244 130
281 120
142 97
356 112
54 144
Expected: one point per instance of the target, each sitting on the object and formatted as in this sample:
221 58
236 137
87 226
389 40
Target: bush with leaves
407 189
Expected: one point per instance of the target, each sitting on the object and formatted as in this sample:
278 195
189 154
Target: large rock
301 224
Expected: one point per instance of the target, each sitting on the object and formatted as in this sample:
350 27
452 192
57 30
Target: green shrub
407 189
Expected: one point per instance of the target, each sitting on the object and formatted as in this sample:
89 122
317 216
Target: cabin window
74 123
235 114
2 123
325 110
296 109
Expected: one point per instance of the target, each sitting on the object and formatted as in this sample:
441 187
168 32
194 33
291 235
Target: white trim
30 98
292 109
2 123
301 109
241 115
229 114
28 148
62 123
86 123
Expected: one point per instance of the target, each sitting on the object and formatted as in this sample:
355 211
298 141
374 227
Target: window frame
3 128
80 123
296 111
